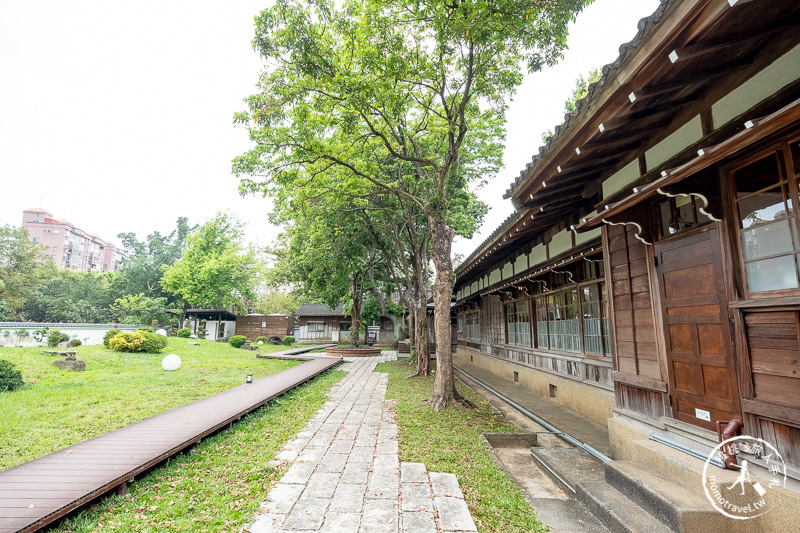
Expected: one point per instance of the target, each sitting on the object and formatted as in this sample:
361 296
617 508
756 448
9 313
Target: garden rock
70 362
64 344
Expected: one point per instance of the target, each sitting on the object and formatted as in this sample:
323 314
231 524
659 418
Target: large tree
216 268
142 272
425 83
18 266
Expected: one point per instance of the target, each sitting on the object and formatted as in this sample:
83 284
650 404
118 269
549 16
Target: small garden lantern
249 378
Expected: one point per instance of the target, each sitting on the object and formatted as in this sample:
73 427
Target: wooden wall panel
636 354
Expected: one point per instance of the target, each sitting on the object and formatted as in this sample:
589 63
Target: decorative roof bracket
638 217
705 190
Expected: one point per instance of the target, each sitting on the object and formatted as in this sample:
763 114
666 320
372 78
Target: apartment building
69 246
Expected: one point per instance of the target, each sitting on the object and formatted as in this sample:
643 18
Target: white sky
118 115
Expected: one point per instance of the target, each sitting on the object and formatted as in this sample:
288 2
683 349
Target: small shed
257 325
219 322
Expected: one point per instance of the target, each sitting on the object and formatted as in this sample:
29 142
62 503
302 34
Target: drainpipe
731 429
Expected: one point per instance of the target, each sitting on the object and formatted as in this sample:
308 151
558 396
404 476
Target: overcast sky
118 115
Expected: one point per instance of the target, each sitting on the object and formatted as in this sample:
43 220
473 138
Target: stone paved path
345 474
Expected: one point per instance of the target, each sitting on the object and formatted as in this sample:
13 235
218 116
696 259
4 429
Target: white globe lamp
171 362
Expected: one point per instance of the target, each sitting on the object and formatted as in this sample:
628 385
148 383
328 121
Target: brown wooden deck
38 492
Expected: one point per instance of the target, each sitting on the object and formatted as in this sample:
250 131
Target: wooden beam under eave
701 49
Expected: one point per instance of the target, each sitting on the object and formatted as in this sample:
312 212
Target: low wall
21 333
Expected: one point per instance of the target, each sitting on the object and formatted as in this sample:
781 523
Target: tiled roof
320 310
645 26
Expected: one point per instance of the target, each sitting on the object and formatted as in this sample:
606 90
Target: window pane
762 207
541 323
767 240
592 320
772 274
564 323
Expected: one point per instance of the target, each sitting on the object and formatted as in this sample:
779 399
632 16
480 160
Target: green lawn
449 441
59 408
218 486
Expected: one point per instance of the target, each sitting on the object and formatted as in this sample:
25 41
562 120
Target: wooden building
271 326
319 323
653 262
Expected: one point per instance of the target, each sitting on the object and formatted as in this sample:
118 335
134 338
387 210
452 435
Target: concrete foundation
587 400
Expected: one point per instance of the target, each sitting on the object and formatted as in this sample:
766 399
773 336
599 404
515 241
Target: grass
449 441
57 408
217 487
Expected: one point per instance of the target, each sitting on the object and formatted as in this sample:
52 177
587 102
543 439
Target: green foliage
142 272
237 341
109 335
56 337
371 313
215 269
137 341
75 342
139 309
201 330
148 329
184 333
288 340
39 335
18 270
153 342
275 301
10 376
71 296
262 338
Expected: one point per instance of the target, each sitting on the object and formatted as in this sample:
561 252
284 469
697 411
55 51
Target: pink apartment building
71 247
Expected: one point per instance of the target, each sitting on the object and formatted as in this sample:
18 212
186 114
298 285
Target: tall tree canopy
348 89
142 272
216 269
18 265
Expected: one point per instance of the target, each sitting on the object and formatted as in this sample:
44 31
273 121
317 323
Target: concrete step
680 508
615 511
568 467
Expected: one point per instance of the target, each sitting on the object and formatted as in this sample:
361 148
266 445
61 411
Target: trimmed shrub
147 329
237 341
75 342
153 343
184 333
10 377
262 338
288 341
137 341
109 334
56 337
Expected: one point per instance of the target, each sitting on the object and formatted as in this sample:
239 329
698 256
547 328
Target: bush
75 342
109 334
237 341
137 341
154 343
184 333
147 329
10 377
56 337
262 338
288 341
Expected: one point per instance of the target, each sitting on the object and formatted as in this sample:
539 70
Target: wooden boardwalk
38 492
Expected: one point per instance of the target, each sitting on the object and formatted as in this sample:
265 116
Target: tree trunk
421 339
355 313
444 387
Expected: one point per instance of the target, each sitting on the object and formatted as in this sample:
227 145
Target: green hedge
237 341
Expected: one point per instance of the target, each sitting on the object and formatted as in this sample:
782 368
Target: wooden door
702 373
